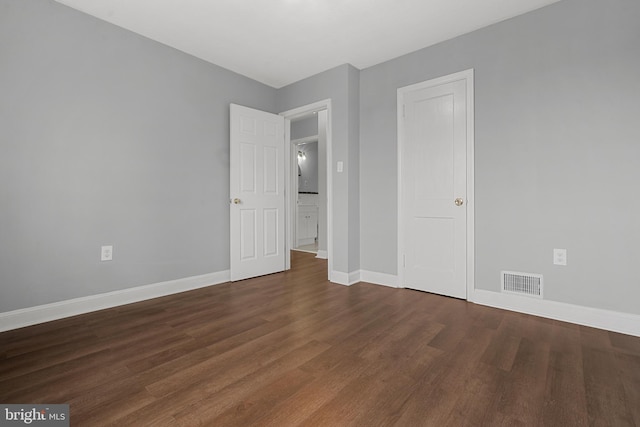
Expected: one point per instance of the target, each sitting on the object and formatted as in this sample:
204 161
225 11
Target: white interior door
433 159
257 205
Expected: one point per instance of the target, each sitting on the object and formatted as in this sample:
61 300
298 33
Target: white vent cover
522 283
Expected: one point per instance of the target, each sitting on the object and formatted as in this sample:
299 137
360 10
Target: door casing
290 162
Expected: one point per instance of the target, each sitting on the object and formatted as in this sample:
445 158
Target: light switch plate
560 257
340 167
106 253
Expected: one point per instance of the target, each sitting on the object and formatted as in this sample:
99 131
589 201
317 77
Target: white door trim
291 198
467 76
305 140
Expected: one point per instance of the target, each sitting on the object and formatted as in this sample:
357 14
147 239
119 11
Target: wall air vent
522 283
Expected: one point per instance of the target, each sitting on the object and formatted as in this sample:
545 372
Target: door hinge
404 261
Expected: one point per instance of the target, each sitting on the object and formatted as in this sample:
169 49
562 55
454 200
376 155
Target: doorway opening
307 206
308 187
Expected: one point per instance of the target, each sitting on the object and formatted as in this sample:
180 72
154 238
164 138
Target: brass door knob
236 201
459 201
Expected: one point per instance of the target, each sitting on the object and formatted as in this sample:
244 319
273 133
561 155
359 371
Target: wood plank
606 396
293 349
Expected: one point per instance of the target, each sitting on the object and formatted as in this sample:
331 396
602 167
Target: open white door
257 181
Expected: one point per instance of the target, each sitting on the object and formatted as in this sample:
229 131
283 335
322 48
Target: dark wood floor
293 349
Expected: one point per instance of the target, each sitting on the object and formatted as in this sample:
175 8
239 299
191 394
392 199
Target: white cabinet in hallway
307 225
307 219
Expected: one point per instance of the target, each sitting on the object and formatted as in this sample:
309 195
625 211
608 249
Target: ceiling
278 42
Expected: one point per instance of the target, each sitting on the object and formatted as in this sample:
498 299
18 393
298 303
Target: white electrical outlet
560 257
106 253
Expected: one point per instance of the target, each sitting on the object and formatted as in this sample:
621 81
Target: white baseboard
625 323
346 279
339 278
59 310
383 279
322 255
354 277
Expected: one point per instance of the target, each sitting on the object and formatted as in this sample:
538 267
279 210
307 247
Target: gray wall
557 149
304 127
322 181
336 84
308 180
108 138
353 170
